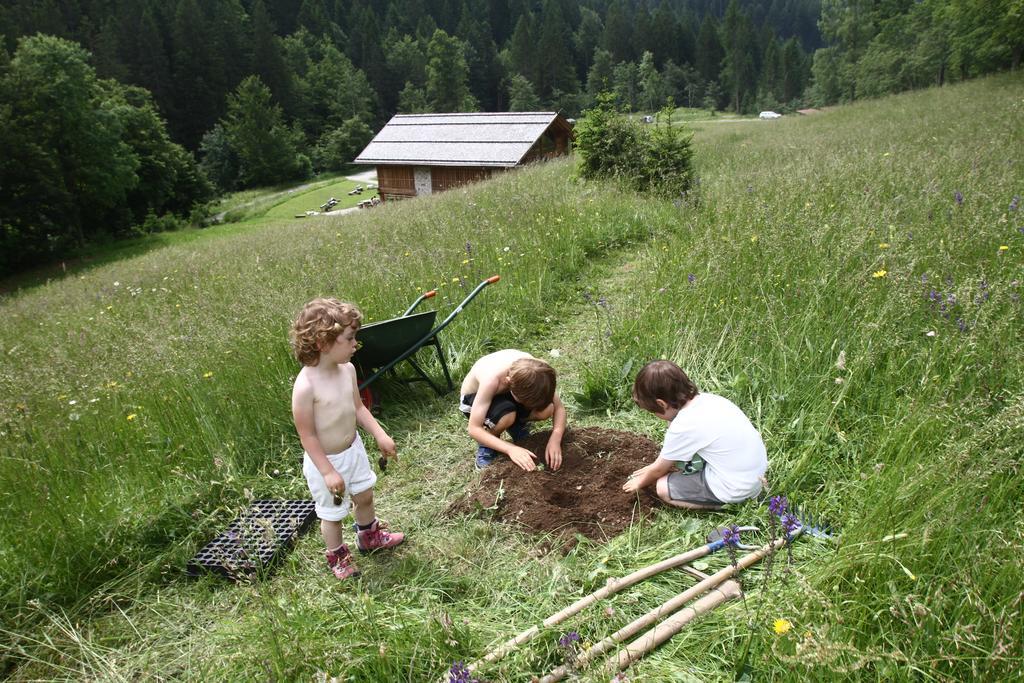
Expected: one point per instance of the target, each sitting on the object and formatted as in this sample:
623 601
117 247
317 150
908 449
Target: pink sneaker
377 537
340 562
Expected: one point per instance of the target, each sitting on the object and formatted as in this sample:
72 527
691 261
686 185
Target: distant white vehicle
770 115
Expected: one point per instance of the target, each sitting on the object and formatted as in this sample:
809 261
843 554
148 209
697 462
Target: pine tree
618 32
267 58
447 75
709 50
555 71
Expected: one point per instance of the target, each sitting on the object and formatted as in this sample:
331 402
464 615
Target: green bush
654 158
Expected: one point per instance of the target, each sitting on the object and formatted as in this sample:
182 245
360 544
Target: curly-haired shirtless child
326 409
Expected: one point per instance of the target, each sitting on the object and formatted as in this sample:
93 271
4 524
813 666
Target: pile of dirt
584 496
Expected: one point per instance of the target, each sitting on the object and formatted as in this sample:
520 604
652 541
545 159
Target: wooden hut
417 154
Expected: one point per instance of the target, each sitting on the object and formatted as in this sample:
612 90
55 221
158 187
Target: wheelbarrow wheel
368 397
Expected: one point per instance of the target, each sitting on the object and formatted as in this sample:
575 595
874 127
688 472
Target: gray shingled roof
456 139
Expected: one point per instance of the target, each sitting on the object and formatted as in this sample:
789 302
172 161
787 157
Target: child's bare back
487 368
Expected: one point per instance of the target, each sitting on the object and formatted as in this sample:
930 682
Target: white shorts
354 468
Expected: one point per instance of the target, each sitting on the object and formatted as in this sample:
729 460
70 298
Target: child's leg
503 424
543 414
331 532
364 512
370 533
681 501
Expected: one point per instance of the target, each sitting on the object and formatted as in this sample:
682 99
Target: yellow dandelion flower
883 245
131 416
465 261
455 279
753 238
879 273
1003 247
782 626
207 375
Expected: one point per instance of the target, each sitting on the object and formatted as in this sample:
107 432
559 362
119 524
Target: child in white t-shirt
706 425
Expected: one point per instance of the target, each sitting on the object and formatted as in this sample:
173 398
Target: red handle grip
493 279
431 294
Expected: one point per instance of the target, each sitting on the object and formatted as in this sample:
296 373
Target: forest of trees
115 112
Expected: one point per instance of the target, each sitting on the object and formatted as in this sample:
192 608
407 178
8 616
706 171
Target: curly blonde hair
320 322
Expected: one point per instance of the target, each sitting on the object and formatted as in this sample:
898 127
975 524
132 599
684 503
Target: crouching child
503 392
700 424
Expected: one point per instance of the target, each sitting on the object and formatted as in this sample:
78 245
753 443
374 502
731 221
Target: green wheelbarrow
385 344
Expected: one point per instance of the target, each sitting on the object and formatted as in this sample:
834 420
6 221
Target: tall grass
140 391
853 280
142 403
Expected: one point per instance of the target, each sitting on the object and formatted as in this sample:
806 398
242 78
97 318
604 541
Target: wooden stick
675 603
674 624
729 590
613 586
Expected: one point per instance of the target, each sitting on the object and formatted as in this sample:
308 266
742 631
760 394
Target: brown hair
662 379
533 382
320 322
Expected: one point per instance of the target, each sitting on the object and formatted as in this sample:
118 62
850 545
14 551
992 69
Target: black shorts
501 405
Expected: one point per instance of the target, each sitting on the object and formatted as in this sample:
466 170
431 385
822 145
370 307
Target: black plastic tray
261 536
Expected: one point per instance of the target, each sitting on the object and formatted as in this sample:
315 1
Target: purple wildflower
731 535
1015 202
958 196
933 296
924 278
983 293
691 278
961 324
777 505
569 638
459 673
789 523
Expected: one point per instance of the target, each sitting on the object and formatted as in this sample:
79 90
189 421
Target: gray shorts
691 488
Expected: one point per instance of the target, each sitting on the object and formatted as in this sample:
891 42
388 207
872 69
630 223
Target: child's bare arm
305 425
645 476
553 452
366 420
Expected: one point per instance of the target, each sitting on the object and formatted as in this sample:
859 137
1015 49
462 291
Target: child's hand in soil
523 458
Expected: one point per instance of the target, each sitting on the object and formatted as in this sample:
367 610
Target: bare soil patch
582 497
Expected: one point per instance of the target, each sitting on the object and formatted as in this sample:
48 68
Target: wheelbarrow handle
426 295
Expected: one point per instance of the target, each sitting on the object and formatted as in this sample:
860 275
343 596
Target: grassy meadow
852 280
